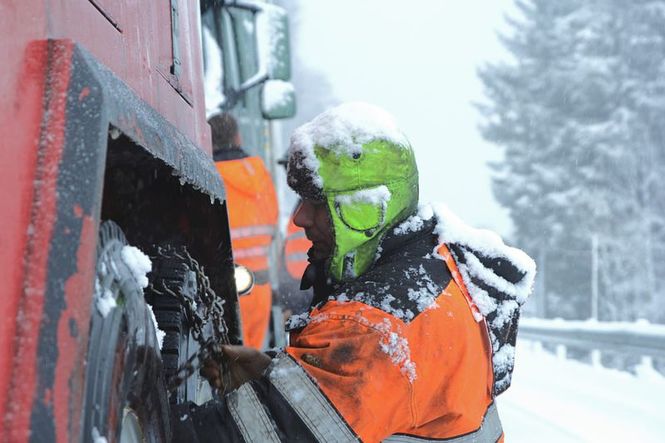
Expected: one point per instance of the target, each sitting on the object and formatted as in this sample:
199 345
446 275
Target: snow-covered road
554 400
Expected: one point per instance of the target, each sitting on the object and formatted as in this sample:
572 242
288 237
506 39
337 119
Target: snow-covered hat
355 159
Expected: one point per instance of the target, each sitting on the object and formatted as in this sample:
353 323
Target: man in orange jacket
252 207
412 328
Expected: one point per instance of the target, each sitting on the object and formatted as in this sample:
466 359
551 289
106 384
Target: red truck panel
133 39
22 89
139 51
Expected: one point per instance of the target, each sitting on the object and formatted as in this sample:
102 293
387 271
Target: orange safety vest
252 207
296 246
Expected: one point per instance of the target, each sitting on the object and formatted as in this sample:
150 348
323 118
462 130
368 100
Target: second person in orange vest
253 212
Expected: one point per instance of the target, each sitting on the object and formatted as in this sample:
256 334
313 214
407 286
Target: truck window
245 40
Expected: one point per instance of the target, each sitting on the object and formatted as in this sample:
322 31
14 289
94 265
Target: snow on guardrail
639 338
638 327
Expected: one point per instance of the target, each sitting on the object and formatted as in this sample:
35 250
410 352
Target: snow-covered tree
577 112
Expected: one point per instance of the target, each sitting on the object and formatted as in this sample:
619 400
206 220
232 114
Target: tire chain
205 318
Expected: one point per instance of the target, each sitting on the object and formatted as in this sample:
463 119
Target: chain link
204 312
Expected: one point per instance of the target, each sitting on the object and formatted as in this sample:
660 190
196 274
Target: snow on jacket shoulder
398 351
498 278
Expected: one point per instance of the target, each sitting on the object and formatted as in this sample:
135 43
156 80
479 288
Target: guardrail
643 340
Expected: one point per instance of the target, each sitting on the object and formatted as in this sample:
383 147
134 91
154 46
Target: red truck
105 144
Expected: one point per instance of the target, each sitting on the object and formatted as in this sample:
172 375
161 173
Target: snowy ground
554 400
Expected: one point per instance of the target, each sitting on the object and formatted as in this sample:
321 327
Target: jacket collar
233 153
392 248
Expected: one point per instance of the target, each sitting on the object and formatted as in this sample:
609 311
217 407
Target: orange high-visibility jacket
430 377
395 355
252 207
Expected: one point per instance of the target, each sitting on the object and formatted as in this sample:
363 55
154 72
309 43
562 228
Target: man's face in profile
314 218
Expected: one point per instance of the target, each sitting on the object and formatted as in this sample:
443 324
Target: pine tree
577 114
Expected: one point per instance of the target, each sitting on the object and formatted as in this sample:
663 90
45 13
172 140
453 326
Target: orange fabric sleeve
344 355
430 378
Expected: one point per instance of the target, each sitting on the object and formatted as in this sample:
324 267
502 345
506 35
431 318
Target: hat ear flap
361 216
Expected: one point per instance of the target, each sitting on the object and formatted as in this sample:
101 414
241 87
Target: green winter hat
355 159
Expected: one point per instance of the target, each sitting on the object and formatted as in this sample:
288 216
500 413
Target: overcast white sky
418 59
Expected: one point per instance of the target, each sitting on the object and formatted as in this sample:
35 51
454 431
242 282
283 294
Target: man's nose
304 215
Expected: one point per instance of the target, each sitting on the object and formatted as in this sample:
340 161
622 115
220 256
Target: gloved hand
244 364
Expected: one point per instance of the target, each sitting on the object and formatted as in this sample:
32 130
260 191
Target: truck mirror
244 280
278 100
272 35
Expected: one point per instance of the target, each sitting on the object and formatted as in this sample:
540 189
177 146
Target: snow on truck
116 257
